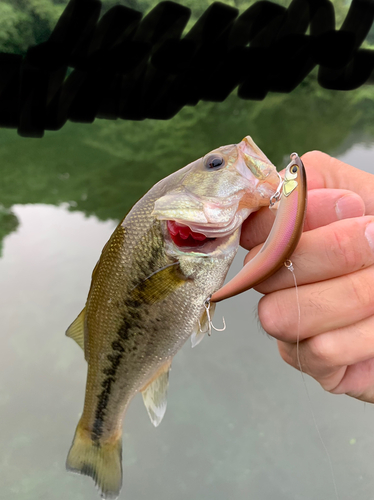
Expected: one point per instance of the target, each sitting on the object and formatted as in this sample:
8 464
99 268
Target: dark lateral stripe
152 288
103 397
110 371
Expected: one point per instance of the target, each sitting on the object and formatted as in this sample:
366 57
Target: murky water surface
238 423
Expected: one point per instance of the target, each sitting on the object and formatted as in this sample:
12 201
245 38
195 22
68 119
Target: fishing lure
284 235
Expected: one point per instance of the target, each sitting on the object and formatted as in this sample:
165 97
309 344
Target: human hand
334 268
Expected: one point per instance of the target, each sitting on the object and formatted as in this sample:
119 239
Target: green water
103 168
238 423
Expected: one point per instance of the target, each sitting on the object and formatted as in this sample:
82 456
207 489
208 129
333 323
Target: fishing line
288 264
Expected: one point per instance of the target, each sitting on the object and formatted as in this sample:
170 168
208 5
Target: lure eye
294 169
214 162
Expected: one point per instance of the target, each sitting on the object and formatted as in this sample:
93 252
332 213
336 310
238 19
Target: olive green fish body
148 290
146 316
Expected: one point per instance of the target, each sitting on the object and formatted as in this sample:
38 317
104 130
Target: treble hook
210 323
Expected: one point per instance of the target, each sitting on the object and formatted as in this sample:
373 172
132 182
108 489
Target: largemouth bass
147 294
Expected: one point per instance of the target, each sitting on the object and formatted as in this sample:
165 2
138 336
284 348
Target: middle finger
326 252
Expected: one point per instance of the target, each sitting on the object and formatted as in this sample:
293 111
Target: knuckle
326 386
267 313
361 290
272 317
321 349
315 154
344 250
285 353
315 157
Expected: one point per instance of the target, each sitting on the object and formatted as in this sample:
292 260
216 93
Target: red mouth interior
182 236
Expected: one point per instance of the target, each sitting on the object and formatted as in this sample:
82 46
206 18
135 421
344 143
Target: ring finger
324 306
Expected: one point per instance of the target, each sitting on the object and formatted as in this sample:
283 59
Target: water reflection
238 422
360 156
45 272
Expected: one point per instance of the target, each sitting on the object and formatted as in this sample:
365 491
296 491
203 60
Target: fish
148 291
283 237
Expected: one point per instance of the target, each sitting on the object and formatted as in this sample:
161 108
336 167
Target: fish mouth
184 237
191 222
205 238
203 226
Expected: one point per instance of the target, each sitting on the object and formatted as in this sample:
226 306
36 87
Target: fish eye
214 162
294 169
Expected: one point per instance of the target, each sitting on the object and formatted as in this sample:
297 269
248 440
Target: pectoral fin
155 394
159 284
76 329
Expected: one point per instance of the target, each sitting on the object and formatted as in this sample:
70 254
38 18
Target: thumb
324 171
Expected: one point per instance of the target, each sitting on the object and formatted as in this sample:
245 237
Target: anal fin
155 394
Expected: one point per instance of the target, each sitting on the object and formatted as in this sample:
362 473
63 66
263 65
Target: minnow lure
284 235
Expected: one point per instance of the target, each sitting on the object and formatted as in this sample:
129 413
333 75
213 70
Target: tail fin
100 460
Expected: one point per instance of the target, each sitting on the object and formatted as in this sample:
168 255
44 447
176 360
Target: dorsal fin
155 394
76 329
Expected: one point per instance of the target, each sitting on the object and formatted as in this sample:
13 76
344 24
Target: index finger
324 171
324 207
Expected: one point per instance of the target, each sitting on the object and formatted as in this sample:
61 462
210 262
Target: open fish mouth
188 235
204 230
192 222
183 236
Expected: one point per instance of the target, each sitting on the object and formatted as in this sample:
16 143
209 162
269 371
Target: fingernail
348 206
369 233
